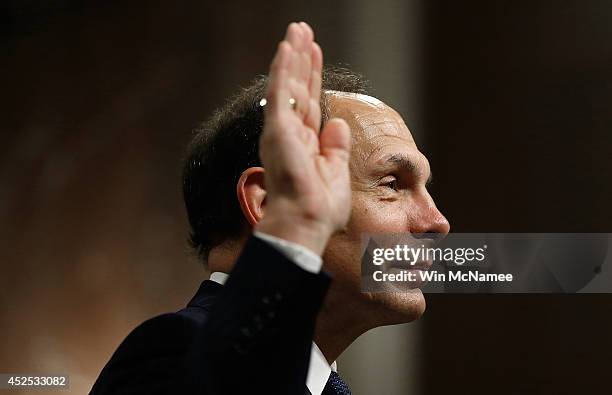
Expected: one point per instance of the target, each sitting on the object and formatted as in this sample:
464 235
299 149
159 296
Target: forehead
375 127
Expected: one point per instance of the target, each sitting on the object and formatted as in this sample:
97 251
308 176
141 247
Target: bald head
375 127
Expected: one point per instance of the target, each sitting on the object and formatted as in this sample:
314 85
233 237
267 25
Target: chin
398 307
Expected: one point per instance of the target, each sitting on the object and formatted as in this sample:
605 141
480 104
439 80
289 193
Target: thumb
335 139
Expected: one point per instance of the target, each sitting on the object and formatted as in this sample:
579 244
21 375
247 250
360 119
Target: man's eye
391 184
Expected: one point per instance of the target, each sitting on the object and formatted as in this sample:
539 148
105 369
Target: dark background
510 101
519 106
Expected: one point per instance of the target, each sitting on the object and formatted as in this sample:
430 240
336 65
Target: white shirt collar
318 368
318 371
219 277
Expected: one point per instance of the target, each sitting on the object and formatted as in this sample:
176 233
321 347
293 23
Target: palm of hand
306 172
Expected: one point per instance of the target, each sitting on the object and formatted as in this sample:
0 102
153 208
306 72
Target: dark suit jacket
251 335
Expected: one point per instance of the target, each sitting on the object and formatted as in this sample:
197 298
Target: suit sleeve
260 331
256 338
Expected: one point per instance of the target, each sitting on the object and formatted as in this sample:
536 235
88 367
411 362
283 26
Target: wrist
289 225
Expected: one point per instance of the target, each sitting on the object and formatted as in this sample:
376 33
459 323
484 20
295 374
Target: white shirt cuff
299 254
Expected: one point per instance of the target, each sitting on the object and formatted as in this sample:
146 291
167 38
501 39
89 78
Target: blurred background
510 101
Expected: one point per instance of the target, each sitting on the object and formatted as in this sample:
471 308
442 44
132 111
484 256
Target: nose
439 224
429 219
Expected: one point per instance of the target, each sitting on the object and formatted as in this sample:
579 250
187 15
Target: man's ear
251 194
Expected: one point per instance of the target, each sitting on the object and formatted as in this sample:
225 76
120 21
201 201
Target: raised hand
306 170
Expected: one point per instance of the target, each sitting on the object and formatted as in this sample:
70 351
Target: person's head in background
224 193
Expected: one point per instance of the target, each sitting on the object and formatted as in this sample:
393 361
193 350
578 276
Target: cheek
342 256
376 216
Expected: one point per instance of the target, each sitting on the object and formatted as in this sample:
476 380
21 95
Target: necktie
336 386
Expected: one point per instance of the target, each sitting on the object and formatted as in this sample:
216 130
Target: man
270 320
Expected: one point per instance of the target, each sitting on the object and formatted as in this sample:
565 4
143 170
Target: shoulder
157 348
164 339
165 333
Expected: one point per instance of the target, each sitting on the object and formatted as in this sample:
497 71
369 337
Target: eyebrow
406 164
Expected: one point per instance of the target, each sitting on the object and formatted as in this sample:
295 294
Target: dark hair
226 145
